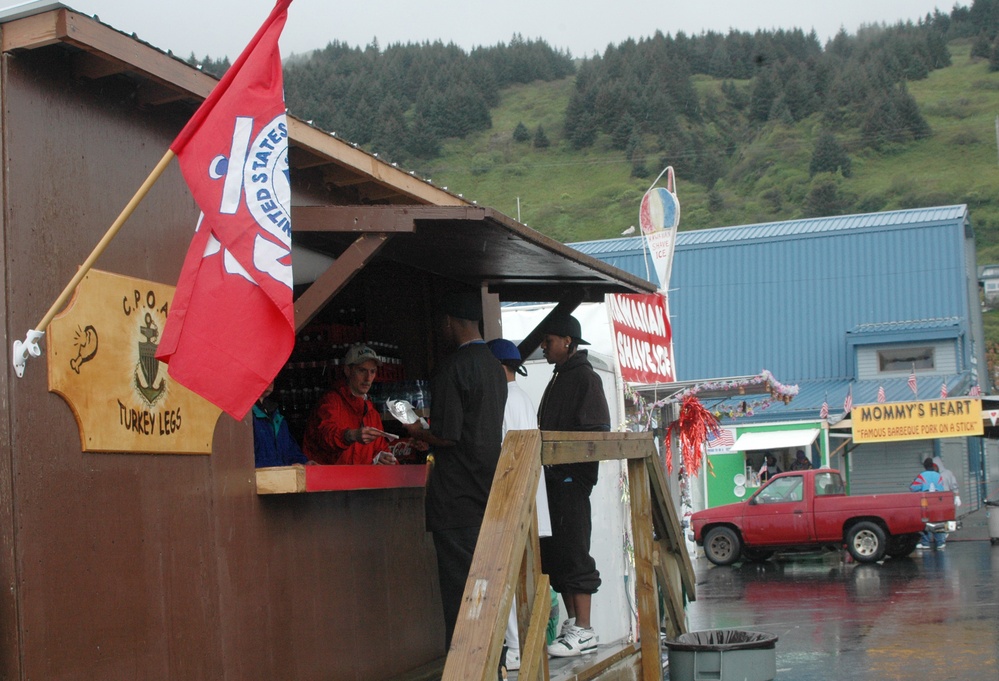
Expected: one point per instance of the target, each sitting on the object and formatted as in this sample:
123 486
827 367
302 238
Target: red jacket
339 411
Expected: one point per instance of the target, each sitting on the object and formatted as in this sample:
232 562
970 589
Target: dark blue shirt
273 444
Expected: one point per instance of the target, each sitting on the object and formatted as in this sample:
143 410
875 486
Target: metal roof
827 225
634 246
785 295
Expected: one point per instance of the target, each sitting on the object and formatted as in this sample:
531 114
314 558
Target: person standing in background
466 434
273 444
949 481
929 481
519 414
769 468
573 400
801 462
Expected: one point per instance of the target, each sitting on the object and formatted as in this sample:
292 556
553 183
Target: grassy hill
580 195
577 195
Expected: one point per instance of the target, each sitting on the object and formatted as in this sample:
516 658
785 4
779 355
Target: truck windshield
781 490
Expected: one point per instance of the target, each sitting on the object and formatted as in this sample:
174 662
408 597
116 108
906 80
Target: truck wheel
902 545
866 542
722 546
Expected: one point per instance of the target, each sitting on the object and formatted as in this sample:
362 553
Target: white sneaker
512 659
577 641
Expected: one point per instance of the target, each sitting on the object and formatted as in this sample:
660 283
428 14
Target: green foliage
541 140
823 197
520 133
214 67
441 90
829 156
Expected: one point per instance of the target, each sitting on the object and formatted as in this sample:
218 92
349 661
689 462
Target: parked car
810 509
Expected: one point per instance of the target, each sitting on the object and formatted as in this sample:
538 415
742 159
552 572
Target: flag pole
30 344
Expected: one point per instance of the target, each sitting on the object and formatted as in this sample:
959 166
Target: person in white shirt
519 414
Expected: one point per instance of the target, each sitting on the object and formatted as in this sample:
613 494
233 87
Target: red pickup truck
810 509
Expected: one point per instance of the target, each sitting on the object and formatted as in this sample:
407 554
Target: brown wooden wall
141 566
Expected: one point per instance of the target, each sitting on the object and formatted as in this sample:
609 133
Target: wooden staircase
507 563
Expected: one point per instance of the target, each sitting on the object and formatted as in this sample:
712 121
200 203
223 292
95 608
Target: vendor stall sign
102 361
643 341
956 417
659 218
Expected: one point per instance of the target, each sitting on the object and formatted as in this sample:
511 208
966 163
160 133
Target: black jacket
574 400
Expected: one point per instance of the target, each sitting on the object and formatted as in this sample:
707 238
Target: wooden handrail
506 557
485 606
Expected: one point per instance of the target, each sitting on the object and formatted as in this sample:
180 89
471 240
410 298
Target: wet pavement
933 615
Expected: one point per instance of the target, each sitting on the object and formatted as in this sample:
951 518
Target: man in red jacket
346 428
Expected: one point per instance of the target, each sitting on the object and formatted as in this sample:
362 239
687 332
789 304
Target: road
934 615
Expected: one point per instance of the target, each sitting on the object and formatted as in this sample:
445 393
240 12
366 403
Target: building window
905 359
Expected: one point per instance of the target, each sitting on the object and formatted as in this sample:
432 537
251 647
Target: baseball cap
360 353
564 325
507 353
503 349
462 304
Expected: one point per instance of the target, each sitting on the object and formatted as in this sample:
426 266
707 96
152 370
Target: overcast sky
222 27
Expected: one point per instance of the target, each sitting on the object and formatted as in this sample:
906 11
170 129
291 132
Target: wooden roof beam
375 218
94 67
66 26
300 159
342 177
323 144
150 93
340 272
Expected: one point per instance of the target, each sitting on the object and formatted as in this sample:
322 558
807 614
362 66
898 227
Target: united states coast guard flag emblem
260 171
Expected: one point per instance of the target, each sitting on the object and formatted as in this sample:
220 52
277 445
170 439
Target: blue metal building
838 305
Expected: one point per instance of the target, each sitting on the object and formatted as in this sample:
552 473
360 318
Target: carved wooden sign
101 360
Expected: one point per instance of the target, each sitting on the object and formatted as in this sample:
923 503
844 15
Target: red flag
848 402
231 326
912 381
881 393
943 390
824 411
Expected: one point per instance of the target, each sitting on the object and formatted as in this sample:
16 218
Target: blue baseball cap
506 352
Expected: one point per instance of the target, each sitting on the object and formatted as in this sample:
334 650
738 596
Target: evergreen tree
994 57
829 156
823 198
623 132
541 139
520 133
764 93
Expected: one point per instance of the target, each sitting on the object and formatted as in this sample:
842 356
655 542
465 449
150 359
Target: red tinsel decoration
692 430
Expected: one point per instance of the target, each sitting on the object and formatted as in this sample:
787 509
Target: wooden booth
127 556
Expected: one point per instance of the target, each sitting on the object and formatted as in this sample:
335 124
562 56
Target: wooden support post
646 597
478 635
336 277
534 652
668 576
668 525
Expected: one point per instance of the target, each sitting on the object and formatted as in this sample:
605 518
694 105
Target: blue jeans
934 539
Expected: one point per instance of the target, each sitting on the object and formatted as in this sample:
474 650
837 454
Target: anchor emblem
148 364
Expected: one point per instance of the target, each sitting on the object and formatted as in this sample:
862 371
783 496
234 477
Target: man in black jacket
574 400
